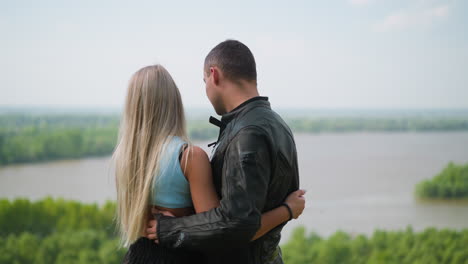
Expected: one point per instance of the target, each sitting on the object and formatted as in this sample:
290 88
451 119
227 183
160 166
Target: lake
356 182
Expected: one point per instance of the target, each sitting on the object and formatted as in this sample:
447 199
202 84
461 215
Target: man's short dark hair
234 59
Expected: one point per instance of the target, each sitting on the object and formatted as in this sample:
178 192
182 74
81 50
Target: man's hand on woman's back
151 231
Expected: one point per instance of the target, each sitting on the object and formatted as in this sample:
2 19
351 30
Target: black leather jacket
254 169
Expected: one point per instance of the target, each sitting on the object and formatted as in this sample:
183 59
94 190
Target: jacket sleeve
245 178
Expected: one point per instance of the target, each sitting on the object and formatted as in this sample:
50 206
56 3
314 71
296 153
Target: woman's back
170 192
171 189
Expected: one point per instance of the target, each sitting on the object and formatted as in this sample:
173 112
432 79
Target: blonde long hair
153 113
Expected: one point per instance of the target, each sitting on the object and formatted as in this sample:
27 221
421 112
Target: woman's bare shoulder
194 154
193 160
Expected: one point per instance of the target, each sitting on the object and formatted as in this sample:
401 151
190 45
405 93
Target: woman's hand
296 202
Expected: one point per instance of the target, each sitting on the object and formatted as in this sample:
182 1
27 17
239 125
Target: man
254 168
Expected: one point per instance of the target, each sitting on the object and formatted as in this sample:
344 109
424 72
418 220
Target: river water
355 182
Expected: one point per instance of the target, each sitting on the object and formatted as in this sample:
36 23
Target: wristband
290 211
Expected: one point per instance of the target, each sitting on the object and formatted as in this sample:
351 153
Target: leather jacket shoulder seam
248 127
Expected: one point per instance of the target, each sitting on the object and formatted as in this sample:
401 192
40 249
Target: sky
373 54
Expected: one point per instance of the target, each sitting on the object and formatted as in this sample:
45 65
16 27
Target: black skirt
145 251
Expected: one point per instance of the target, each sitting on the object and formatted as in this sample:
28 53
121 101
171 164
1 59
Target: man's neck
238 95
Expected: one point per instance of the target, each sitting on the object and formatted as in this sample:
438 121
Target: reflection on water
354 182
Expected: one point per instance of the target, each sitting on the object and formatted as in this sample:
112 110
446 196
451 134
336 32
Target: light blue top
170 187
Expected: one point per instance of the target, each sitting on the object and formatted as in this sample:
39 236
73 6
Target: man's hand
296 202
151 232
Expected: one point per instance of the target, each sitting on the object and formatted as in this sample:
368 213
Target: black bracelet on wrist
290 211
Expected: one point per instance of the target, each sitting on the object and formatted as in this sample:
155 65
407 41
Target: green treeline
369 124
38 138
57 231
430 246
451 183
30 138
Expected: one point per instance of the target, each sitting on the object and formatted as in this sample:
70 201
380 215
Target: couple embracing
174 204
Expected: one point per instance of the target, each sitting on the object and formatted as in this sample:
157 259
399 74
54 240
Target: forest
430 246
57 231
34 138
450 183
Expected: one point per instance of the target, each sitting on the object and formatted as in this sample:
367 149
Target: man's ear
215 72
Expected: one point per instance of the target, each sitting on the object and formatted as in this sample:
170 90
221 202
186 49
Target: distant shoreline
37 137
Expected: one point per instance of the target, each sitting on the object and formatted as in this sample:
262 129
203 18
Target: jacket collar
247 105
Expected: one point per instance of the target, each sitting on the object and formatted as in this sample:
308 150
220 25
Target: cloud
408 19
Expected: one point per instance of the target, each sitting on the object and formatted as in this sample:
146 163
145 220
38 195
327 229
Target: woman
157 166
